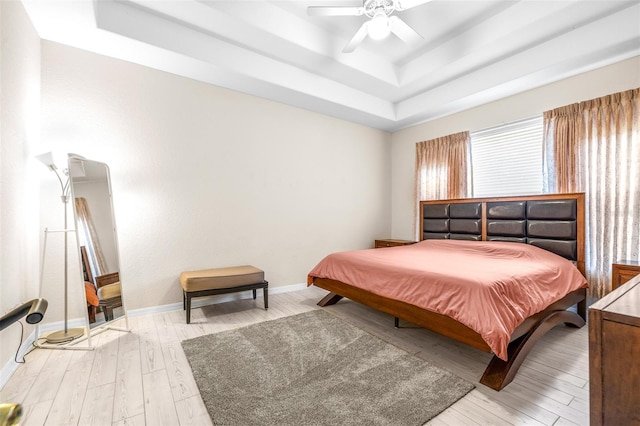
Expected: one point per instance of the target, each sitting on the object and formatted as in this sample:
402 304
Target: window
507 159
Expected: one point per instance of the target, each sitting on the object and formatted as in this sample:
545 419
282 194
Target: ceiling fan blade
335 10
403 31
357 38
408 4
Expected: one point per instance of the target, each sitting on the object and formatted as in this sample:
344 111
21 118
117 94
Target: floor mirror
97 238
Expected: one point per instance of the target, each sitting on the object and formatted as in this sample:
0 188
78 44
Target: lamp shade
47 159
54 160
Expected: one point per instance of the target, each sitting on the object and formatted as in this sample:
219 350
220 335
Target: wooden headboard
554 222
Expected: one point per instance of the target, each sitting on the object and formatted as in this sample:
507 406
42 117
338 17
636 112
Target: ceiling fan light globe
379 27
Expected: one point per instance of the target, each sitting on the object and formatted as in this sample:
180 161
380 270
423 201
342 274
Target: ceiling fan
380 24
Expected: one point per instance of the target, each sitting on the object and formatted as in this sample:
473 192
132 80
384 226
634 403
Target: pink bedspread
489 286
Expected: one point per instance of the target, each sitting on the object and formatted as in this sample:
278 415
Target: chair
109 293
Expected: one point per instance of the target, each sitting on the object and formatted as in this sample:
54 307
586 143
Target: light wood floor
142 377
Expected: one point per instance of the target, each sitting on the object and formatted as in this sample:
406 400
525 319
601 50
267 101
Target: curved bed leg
499 373
582 310
329 299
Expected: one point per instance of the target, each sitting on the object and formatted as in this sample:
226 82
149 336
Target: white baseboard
212 300
11 366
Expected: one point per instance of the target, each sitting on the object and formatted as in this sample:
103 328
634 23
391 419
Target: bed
548 228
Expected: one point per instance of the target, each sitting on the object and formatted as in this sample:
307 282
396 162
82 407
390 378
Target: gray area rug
315 369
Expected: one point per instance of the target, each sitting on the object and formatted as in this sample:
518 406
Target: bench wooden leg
265 293
254 294
188 307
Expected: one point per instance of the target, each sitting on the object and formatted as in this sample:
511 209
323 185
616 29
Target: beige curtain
594 147
442 169
88 234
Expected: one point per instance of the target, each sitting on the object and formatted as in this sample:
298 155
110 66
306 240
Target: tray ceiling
473 52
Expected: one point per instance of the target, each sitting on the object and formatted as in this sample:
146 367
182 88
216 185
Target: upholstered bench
208 282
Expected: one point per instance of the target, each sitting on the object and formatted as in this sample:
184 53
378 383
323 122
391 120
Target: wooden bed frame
485 219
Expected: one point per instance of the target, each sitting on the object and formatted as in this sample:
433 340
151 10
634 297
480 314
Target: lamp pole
65 201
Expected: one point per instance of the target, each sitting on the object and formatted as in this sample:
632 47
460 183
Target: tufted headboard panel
554 222
457 221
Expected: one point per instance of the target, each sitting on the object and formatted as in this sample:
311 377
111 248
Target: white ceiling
473 51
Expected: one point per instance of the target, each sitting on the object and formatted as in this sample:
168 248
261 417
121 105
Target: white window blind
507 159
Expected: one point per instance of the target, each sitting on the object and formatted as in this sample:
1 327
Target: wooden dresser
392 243
614 357
622 271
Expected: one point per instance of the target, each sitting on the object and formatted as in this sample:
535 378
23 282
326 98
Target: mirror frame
76 165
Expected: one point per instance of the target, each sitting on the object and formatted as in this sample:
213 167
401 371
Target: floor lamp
67 334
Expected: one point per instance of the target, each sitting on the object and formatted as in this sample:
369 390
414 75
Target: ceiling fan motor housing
376 7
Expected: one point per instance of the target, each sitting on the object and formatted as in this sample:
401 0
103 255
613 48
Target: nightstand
392 243
622 271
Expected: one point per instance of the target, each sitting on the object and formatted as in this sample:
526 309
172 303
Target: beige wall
19 126
611 79
208 177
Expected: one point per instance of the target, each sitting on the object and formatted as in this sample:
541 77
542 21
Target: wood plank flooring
143 377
